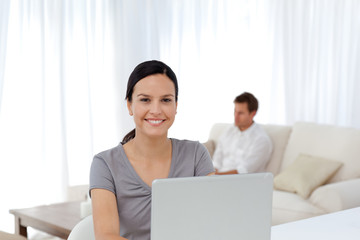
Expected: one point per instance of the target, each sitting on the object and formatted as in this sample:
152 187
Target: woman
121 178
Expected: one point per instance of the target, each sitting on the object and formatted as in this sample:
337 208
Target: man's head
246 106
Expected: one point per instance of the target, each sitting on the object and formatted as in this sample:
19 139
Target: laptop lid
212 208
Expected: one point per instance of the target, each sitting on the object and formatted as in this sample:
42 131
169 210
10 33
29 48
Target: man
244 147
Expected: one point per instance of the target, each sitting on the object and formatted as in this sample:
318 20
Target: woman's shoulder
110 153
184 142
186 145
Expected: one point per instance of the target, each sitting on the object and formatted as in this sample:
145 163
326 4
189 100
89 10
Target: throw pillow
305 174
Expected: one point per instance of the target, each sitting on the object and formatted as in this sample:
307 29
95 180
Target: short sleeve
203 164
100 175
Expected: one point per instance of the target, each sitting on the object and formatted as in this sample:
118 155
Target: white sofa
340 191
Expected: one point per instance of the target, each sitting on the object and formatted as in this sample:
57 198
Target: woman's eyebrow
168 95
142 94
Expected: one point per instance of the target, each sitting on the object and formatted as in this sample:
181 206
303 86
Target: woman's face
153 105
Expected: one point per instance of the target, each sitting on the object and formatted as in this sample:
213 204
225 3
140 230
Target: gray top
112 170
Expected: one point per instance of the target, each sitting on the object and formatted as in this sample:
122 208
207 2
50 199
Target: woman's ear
128 103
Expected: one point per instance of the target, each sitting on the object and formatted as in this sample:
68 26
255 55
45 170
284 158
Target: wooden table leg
19 229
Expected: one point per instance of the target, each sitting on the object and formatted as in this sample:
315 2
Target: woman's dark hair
141 71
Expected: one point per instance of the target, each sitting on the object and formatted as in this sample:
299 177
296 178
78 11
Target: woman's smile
155 122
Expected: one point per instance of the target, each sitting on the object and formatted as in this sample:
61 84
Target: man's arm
256 156
226 173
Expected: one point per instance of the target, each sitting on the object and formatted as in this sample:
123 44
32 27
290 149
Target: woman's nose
155 108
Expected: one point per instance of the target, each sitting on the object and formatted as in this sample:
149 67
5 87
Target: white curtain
300 58
63 74
316 59
4 17
64 66
219 49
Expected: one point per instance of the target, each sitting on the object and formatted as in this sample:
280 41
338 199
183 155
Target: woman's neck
150 147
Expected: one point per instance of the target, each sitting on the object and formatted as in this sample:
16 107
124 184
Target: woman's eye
145 100
167 100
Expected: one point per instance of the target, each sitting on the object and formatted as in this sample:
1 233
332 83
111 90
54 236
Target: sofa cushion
337 196
305 174
289 207
331 142
217 130
279 136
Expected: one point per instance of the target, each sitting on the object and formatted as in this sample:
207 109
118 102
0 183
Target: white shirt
246 151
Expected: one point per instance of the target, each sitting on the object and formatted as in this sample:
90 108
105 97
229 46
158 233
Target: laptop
220 207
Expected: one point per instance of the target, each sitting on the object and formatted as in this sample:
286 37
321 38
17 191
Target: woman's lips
155 122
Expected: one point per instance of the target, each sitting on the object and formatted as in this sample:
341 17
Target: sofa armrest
210 146
337 196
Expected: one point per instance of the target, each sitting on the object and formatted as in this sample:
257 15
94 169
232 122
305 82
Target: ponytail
128 136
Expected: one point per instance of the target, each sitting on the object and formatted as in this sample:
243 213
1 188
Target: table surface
60 219
55 219
334 226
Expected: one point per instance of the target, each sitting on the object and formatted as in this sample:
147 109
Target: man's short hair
248 98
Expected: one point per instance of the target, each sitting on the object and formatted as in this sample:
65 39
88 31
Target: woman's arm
105 215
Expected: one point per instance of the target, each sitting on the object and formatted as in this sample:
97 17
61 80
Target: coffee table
55 219
333 226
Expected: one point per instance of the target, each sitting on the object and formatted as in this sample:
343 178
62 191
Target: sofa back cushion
331 142
279 136
217 130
